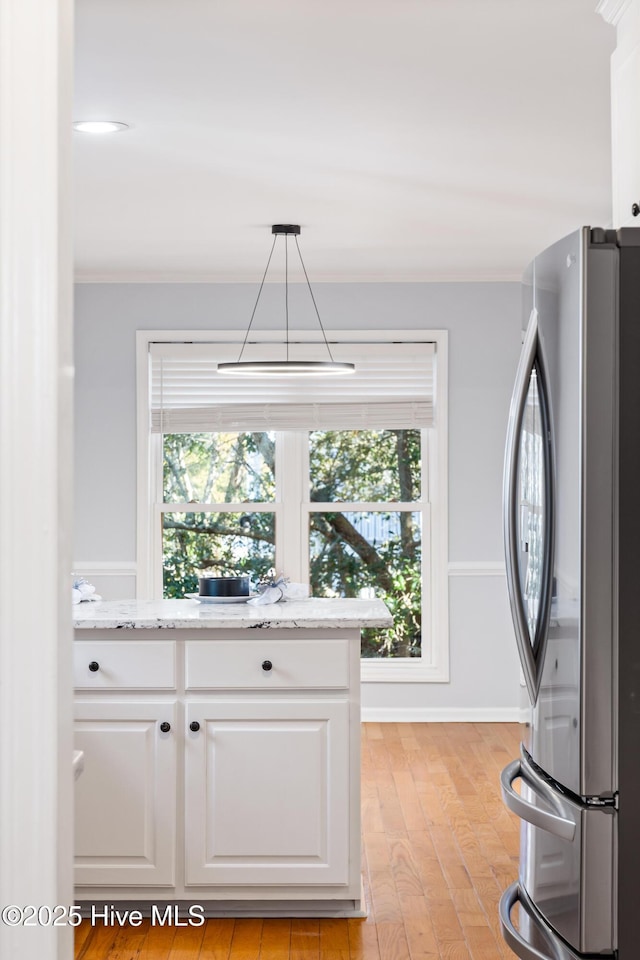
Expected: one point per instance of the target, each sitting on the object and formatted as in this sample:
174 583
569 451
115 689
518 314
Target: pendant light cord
286 296
255 306
326 342
286 289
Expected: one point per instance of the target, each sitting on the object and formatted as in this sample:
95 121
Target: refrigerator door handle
516 412
559 823
514 939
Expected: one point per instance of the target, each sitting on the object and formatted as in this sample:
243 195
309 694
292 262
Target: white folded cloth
81 590
280 589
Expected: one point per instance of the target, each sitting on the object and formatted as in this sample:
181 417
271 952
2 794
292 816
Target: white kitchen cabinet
267 792
121 665
625 130
125 801
255 810
625 109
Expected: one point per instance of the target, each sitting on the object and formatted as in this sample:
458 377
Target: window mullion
290 466
349 506
426 466
156 459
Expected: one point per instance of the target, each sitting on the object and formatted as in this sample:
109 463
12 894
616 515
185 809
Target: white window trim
433 665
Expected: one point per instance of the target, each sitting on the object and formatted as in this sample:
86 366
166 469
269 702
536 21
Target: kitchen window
335 486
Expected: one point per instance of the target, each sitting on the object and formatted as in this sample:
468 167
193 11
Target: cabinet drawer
239 664
124 665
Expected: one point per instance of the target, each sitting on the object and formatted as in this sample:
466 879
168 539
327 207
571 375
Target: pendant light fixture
286 367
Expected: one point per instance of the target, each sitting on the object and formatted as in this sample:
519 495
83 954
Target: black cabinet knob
165 727
94 666
194 726
635 209
267 665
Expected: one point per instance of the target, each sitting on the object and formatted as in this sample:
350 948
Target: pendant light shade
286 367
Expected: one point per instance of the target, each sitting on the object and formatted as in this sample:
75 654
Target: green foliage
222 544
374 466
363 465
342 565
404 602
377 552
218 467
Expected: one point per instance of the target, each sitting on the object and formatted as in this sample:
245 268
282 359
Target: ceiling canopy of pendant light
286 367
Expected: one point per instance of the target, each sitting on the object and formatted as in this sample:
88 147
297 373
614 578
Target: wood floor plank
334 940
80 935
363 940
421 939
371 816
393 941
432 878
129 942
403 868
157 943
439 848
187 943
305 940
385 903
469 910
276 939
216 942
247 935
481 943
446 925
455 950
99 943
391 811
409 801
376 848
373 731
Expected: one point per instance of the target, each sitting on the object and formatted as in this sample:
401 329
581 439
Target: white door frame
36 786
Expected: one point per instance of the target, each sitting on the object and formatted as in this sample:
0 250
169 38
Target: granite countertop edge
189 614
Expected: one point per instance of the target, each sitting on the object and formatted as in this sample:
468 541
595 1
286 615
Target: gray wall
484 342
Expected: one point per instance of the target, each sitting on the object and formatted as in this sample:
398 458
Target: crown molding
613 10
506 276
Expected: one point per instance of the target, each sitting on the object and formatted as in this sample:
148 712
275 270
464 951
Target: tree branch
407 525
266 447
180 474
219 529
343 529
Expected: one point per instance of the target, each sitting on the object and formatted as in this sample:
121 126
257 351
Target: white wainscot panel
113 579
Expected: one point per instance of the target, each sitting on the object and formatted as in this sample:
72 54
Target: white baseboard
444 715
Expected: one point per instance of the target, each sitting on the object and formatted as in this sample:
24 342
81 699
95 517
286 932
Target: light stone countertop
176 614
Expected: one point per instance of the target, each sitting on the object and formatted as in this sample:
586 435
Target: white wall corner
36 404
613 10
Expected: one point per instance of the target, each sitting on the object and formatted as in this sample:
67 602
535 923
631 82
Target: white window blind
393 388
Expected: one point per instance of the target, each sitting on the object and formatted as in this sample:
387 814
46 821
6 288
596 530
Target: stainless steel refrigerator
572 542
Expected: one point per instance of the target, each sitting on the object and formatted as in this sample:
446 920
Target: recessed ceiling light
99 126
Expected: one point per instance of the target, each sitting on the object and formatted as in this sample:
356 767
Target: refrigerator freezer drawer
567 856
533 939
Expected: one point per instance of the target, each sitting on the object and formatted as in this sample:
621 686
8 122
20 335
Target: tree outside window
221 494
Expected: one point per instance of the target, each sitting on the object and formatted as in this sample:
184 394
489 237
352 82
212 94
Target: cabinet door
125 800
625 106
267 793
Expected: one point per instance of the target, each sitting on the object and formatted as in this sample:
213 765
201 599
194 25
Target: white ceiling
411 139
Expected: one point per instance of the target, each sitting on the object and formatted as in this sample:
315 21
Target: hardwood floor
439 849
